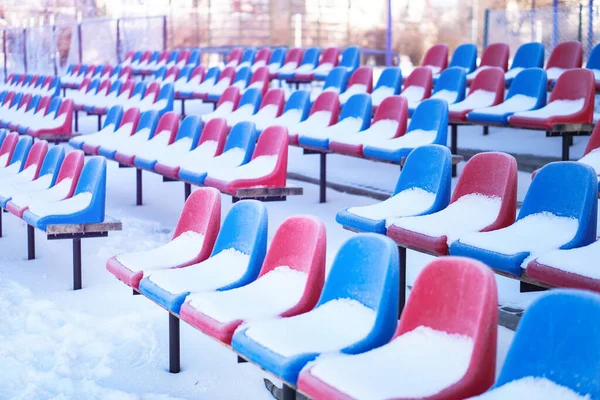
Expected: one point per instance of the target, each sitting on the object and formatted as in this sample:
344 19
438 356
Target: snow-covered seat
228 102
60 122
441 349
216 83
98 104
11 104
336 82
354 118
240 81
571 101
46 109
292 60
86 206
189 77
565 56
553 353
238 149
327 61
26 182
494 55
349 59
450 86
271 107
192 241
310 59
235 260
261 59
388 84
356 312
24 114
389 122
436 58
16 111
423 188
247 59
62 188
161 143
24 168
417 87
486 90
361 81
593 64
289 283
247 107
547 221
145 128
276 61
130 58
428 125
163 102
527 92
189 136
485 199
528 55
259 80
324 112
120 91
131 99
295 111
15 163
267 168
465 57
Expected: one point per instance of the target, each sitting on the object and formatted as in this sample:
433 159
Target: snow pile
330 327
477 99
219 87
554 109
94 138
317 120
446 95
302 69
535 234
11 169
264 115
133 145
154 147
413 94
11 189
516 103
242 65
434 69
157 106
180 150
257 168
115 142
75 204
4 159
473 74
199 162
24 176
185 85
289 118
408 202
50 123
417 364
352 90
106 134
286 68
380 94
409 140
323 69
270 295
531 388
56 193
512 73
220 270
470 213
344 127
576 261
592 159
257 65
223 110
181 250
554 73
383 129
240 84
243 113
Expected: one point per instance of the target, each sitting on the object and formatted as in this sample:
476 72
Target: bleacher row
76 73
32 84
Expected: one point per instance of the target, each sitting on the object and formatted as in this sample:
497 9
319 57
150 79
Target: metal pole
138 186
486 24
323 178
25 49
402 280
590 30
388 36
174 345
118 44
288 393
30 242
554 23
532 20
55 48
580 27
1 211
76 263
79 44
187 190
164 33
4 53
454 145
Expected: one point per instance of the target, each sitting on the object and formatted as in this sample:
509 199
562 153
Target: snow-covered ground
103 343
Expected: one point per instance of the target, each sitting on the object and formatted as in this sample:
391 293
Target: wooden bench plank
109 224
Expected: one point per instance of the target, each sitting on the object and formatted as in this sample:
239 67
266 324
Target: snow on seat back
487 89
33 156
559 211
436 58
357 311
125 148
276 60
289 283
271 107
188 136
292 60
192 241
437 336
528 55
450 86
565 55
335 81
235 261
418 85
295 111
423 188
484 199
110 125
388 84
228 102
248 106
310 59
553 351
234 57
591 155
361 81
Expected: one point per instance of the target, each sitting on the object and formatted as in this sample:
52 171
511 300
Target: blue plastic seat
249 102
465 56
310 58
337 80
167 92
452 80
244 229
243 135
247 58
375 288
358 106
194 59
350 58
564 189
148 120
428 168
528 55
388 84
531 83
160 73
93 181
277 58
430 115
241 80
111 122
558 338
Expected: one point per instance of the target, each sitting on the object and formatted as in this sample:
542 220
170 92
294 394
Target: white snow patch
9 190
413 94
473 74
318 120
554 73
531 388
477 99
512 73
516 103
223 110
55 193
411 139
592 159
11 169
408 202
380 94
75 204
555 108
344 127
257 168
434 69
352 90
199 161
178 151
577 261
384 129
446 95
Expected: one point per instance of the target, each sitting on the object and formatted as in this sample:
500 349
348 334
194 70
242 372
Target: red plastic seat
453 295
198 72
420 77
329 56
8 147
234 58
201 214
566 55
131 116
106 71
261 59
573 84
490 174
232 96
227 74
361 81
491 80
260 79
300 244
66 128
495 55
70 169
172 74
436 57
393 108
326 101
273 141
184 56
36 156
293 55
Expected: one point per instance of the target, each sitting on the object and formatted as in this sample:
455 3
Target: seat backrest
458 296
495 55
104 86
216 129
299 100
66 107
125 72
362 76
71 169
8 146
25 101
453 79
421 76
393 108
173 71
190 127
330 56
184 55
531 82
431 115
260 79
201 213
594 141
558 339
251 97
21 151
152 90
311 56
337 78
198 71
115 88
160 73
131 116
491 174
168 124
350 58
127 88
92 88
272 142
8 99
243 135
148 119
16 100
566 189
465 56
274 97
229 74
436 56
52 162
529 55
491 80
230 95
167 92
185 73
44 103
327 101
263 54
139 88
390 77
573 85
137 56
300 243
235 56
53 106
194 58
116 71
358 106
294 55
248 56
243 75
213 73
113 117
35 100
566 55
277 56
593 61
93 180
